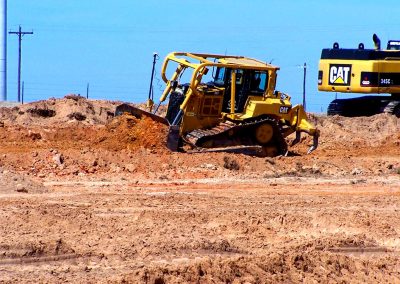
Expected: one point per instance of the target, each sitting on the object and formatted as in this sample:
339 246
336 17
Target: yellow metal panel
211 105
257 106
193 118
346 75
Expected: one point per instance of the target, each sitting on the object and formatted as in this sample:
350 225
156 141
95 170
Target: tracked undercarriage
262 134
365 106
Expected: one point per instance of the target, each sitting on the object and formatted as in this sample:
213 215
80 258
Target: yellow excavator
365 71
237 108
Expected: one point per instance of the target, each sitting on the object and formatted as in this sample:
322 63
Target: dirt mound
47 150
122 132
91 141
71 108
129 132
370 131
336 131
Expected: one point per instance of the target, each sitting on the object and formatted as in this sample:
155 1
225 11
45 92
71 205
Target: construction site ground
89 198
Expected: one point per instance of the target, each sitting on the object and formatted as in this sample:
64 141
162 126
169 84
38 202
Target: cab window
220 76
258 81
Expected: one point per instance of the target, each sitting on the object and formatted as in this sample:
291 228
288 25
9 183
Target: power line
20 34
239 28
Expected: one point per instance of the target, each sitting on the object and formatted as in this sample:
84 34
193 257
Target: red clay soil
85 197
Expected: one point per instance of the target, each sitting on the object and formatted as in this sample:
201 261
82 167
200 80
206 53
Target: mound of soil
92 141
71 108
359 131
129 132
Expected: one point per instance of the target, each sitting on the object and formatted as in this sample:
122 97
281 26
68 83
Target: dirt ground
88 198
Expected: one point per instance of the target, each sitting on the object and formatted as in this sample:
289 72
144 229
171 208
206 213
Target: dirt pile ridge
32 141
71 108
129 132
370 131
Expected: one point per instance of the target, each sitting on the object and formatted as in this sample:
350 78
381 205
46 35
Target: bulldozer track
364 106
234 135
196 135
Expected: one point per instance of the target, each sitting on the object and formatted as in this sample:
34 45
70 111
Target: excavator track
362 106
236 136
393 108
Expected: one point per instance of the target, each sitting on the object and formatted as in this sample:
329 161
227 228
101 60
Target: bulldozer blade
139 113
173 138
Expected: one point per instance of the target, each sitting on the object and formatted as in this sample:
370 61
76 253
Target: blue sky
110 44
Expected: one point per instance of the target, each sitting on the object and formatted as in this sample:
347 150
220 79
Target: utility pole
3 50
304 85
20 34
23 92
87 91
150 101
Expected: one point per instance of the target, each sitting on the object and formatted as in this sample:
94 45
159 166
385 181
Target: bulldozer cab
230 84
248 83
239 89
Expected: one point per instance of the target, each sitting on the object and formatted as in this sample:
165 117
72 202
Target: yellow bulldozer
227 103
